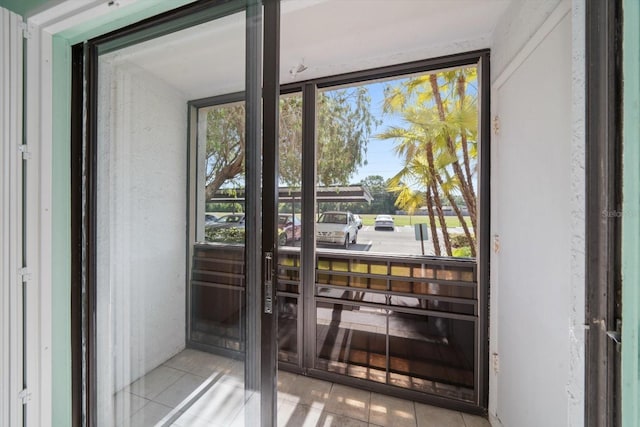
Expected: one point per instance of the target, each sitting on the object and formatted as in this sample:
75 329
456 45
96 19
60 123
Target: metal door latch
268 282
24 396
616 335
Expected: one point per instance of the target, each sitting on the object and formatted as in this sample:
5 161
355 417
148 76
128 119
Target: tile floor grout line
164 389
140 408
203 389
144 406
185 371
464 423
369 411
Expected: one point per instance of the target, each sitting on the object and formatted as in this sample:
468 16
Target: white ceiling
330 36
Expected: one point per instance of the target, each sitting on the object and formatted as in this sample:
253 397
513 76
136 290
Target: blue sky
381 160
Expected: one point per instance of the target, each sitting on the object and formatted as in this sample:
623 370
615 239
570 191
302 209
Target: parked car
384 221
337 228
229 221
289 229
209 219
358 221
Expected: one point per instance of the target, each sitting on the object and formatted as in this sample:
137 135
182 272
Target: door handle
268 282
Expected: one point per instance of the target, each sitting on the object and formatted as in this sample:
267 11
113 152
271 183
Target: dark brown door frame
271 99
83 186
308 90
603 201
481 58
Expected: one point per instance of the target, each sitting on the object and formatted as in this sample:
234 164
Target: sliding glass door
159 264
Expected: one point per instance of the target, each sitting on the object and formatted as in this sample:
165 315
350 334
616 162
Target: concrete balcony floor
197 389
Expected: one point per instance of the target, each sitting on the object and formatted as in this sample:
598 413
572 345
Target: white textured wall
141 224
520 22
537 275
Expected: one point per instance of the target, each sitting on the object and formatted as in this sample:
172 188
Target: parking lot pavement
402 229
399 241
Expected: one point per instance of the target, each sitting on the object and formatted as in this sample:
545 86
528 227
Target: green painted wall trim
119 18
127 14
631 217
61 235
61 186
27 8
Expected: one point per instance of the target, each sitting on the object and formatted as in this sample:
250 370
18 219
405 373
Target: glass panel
220 188
355 296
390 334
290 171
171 314
288 329
351 340
289 308
446 306
401 155
289 271
396 186
432 354
218 297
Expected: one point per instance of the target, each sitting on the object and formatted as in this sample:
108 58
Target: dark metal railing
404 321
408 322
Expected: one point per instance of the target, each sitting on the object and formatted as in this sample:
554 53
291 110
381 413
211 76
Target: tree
383 200
344 123
290 146
225 150
410 200
290 136
438 143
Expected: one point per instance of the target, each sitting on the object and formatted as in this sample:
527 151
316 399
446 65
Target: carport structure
354 193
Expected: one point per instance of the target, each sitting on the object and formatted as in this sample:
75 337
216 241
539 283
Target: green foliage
383 200
438 142
464 252
225 235
225 150
459 241
290 135
224 207
345 123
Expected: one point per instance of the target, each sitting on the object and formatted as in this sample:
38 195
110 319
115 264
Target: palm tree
438 144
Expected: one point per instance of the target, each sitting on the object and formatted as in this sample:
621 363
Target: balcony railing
403 321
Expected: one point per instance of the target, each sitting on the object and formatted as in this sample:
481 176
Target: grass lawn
402 220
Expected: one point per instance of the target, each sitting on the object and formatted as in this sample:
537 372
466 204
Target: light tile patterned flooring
197 389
